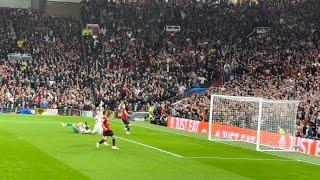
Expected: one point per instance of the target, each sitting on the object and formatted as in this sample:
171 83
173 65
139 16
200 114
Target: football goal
269 124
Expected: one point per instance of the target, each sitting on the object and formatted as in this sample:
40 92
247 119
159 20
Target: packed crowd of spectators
56 75
280 64
68 70
133 58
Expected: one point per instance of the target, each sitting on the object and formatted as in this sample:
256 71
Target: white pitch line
230 158
290 158
282 156
151 147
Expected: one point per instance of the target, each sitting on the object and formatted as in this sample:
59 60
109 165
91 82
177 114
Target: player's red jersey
123 114
106 125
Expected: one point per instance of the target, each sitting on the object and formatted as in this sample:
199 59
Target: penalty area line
151 147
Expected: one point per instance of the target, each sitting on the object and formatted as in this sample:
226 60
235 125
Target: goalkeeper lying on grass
81 128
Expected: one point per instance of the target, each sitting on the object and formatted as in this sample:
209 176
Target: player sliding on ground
124 117
107 131
80 128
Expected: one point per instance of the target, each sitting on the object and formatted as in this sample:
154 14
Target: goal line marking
151 147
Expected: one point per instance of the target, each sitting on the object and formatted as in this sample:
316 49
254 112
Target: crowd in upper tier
134 58
281 64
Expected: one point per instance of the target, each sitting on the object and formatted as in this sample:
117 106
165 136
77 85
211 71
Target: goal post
269 124
259 125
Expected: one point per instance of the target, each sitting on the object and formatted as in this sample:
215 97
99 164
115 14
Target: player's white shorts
97 129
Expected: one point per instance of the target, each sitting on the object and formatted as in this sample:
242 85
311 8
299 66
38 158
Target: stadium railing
135 116
4 110
48 111
64 112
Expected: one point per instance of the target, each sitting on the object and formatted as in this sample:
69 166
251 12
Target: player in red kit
125 117
106 132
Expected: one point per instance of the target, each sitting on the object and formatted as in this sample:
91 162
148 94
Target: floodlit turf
37 147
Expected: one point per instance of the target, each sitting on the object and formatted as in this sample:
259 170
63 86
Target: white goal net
270 124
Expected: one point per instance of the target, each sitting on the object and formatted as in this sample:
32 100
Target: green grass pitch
38 147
